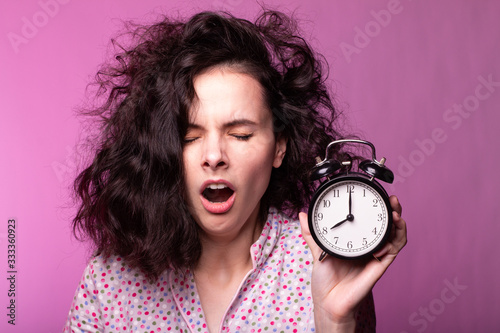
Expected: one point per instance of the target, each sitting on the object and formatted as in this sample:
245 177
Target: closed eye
189 139
242 137
193 133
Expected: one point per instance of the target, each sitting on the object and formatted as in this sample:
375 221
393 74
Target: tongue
217 195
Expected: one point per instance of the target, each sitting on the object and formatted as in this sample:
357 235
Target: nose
214 154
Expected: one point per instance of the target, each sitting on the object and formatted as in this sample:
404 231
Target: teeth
216 186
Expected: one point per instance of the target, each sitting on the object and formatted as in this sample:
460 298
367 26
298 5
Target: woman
210 127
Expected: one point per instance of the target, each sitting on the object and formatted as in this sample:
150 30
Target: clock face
350 217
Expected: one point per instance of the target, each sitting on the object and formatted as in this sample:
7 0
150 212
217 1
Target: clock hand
349 217
350 202
340 223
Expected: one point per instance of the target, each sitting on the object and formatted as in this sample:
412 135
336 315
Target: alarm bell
377 170
324 169
372 167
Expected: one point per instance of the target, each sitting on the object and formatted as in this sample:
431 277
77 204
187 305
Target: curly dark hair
131 197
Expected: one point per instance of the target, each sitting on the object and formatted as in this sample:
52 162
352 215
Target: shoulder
104 272
101 266
110 291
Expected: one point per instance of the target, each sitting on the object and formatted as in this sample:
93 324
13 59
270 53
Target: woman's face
229 152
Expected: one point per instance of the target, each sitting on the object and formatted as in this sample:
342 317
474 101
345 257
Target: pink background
402 71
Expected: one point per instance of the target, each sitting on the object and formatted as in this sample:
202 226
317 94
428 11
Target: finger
395 204
306 233
397 239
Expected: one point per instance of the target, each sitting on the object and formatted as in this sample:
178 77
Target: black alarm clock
350 216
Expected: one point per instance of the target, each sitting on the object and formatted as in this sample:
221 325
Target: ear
279 151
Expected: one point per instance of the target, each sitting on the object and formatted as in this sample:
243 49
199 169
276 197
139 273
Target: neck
227 258
224 263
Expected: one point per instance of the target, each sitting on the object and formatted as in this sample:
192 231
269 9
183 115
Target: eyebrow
233 123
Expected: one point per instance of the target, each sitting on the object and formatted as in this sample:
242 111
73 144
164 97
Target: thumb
306 233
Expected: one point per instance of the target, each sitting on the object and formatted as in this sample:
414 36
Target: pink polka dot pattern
275 296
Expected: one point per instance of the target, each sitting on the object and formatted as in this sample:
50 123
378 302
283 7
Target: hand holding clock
339 286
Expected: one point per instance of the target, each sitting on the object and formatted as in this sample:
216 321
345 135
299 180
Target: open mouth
217 193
